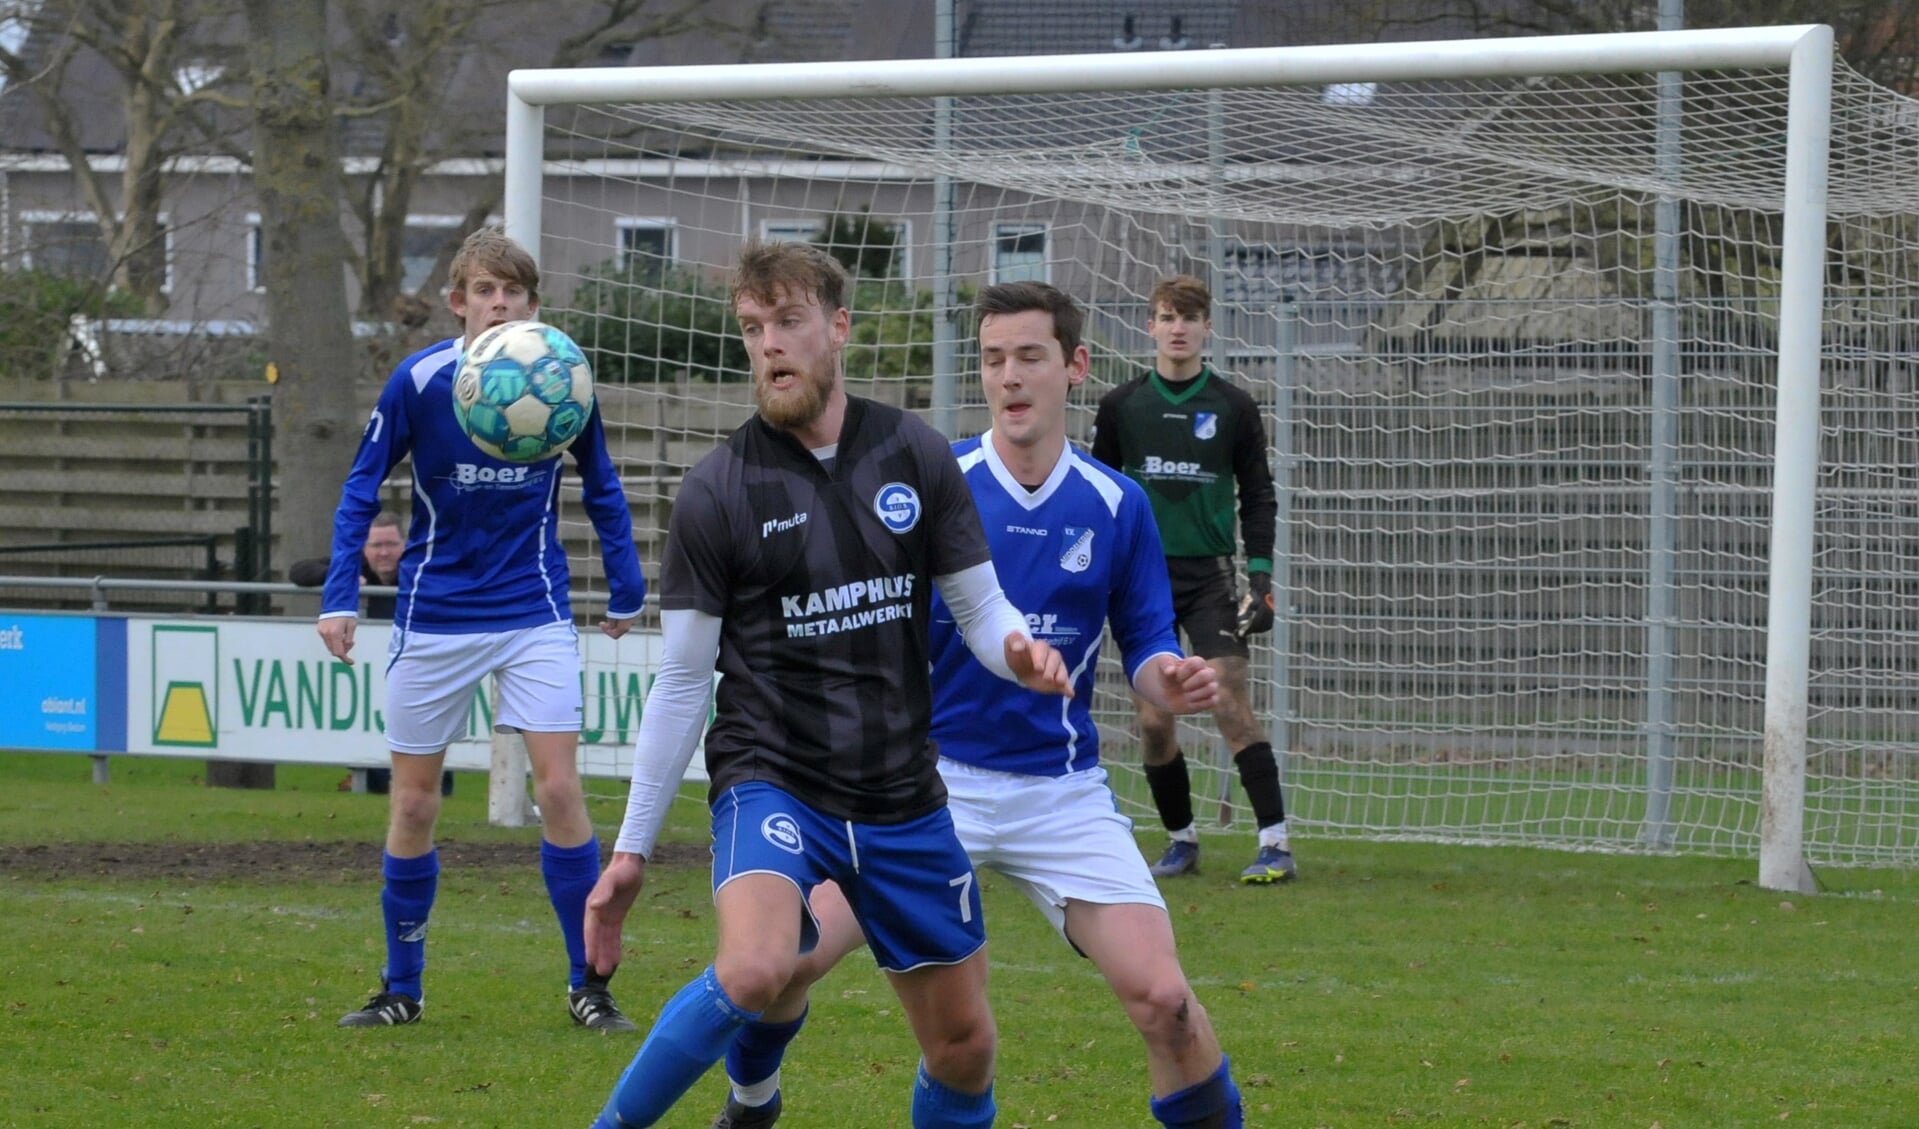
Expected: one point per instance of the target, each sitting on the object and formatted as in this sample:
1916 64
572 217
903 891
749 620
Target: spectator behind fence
379 564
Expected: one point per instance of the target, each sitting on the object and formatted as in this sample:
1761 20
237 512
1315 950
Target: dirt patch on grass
270 860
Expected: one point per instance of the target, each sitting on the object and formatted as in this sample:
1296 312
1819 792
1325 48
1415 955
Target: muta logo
1205 425
781 830
781 524
898 506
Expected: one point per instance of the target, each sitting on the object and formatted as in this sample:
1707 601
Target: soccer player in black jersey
1194 440
800 562
1075 543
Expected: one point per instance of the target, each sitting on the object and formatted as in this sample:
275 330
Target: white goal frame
1804 53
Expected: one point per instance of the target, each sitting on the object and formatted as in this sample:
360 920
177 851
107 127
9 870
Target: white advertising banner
266 690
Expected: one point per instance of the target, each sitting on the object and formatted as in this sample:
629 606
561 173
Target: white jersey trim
549 515
1070 462
424 368
423 498
1100 478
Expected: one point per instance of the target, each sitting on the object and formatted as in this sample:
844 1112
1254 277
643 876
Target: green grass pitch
185 963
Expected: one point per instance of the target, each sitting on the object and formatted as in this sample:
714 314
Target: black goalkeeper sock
1259 775
1172 789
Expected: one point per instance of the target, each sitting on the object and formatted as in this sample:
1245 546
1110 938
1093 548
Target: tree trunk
138 247
296 173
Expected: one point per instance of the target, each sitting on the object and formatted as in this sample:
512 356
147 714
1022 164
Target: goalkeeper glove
1256 606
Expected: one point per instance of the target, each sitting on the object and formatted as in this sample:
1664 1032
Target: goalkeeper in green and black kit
1195 442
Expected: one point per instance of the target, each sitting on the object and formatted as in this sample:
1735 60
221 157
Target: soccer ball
523 392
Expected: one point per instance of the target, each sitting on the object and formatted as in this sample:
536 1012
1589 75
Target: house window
66 244
648 246
872 247
70 243
256 253
420 246
789 231
1019 253
903 250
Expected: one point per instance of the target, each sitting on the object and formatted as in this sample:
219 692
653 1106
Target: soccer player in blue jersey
1079 549
483 591
800 563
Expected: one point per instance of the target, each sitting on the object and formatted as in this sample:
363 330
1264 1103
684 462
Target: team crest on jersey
1079 555
1205 425
898 506
783 831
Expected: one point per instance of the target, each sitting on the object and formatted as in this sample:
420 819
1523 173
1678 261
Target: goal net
1520 329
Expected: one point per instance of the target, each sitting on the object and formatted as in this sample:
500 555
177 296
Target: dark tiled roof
511 36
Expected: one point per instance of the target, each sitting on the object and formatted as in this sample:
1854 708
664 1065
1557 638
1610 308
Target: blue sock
1212 1104
755 1053
407 901
938 1106
570 873
689 1037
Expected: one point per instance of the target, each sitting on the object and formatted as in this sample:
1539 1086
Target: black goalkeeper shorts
1206 605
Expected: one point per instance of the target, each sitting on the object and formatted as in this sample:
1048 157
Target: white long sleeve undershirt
983 613
675 712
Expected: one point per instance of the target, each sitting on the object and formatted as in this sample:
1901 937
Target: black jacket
312 574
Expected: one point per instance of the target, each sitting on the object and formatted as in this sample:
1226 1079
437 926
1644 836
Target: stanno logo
1028 530
898 506
13 638
783 831
1205 425
782 524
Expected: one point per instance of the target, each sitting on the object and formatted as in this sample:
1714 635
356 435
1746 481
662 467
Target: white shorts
1055 837
430 681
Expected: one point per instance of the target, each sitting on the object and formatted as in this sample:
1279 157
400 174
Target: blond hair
489 251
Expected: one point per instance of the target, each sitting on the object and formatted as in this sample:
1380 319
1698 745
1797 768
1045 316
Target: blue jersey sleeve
612 519
386 440
1139 609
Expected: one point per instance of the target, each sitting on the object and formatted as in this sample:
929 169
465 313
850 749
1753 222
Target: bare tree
1877 37
170 86
409 55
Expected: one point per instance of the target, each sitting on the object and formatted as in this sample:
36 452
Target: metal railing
210 543
98 586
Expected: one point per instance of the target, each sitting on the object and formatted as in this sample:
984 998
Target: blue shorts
910 884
